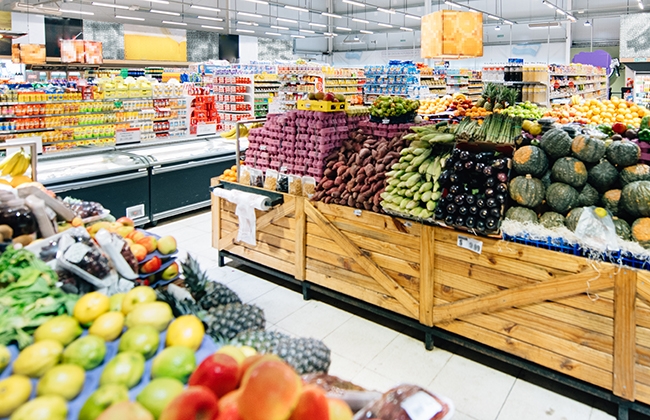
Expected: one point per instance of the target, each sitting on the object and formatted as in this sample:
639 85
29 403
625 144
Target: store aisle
377 357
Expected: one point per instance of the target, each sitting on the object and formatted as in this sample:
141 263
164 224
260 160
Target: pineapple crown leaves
195 278
180 307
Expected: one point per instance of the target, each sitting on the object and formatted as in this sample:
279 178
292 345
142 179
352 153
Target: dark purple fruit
444 177
502 177
449 199
459 200
470 222
460 221
488 171
455 189
490 192
473 210
440 213
480 226
491 223
470 199
492 203
458 166
469 165
480 203
463 211
479 167
499 164
451 208
502 188
483 213
449 220
454 178
456 153
495 212
491 182
501 198
465 155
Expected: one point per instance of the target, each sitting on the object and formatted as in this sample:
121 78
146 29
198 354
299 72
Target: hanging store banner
452 34
150 43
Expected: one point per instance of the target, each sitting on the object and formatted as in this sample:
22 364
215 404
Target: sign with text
206 128
127 136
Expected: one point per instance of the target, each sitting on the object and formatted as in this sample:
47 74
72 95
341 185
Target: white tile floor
377 357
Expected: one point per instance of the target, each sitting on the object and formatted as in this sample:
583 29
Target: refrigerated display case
147 182
118 180
180 173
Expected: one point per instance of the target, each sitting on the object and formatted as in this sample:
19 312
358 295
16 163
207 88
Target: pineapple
225 322
305 355
208 293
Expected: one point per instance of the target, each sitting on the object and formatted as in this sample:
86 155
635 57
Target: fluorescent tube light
243 22
406 29
255 15
258 1
297 36
211 9
273 33
300 9
641 5
286 20
413 17
330 34
452 4
508 22
354 3
282 28
246 31
158 1
360 20
76 11
332 15
543 25
366 32
307 31
169 22
389 11
210 18
164 12
114 6
342 28
318 25
129 18
385 25
493 17
219 28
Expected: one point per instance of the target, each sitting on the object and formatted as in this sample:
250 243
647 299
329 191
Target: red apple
231 413
195 403
139 252
151 266
125 221
219 373
149 242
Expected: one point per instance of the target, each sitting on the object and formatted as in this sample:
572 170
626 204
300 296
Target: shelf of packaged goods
584 92
175 130
339 86
344 77
233 84
280 75
234 112
48 143
510 83
149 98
585 82
31 130
267 86
576 75
68 127
431 76
64 115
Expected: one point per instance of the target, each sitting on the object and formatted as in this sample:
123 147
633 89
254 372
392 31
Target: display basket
401 119
552 244
322 106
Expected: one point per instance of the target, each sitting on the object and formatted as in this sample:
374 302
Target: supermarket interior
324 210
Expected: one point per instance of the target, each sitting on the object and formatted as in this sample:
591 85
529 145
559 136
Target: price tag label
471 244
263 147
127 136
421 406
206 128
385 121
358 213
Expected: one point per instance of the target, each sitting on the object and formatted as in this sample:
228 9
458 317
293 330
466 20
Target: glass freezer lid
74 167
184 151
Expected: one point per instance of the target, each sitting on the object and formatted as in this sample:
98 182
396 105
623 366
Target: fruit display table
588 321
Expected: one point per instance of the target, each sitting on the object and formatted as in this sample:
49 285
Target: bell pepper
604 128
619 128
644 135
645 122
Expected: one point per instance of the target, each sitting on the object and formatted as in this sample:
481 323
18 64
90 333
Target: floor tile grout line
506 398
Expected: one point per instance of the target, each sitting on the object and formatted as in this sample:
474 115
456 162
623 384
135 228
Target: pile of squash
568 171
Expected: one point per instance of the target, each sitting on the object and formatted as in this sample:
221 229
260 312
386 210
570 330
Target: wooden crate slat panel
368 218
285 266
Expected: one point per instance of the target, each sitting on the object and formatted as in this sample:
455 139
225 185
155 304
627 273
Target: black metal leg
221 261
428 341
623 411
305 291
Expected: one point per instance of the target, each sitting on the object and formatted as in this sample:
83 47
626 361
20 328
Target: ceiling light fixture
389 11
330 34
332 15
307 31
300 9
169 22
114 6
210 18
560 10
366 32
493 17
286 20
342 28
543 25
210 9
246 31
219 28
129 18
273 33
76 11
385 25
318 25
452 4
157 1
497 28
258 1
354 3
360 20
255 15
640 5
281 28
406 29
472 9
243 22
164 12
412 17
298 36
587 22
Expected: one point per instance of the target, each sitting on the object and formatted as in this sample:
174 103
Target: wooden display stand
590 321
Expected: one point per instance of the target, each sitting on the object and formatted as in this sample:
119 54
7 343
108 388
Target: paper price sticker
473 245
421 406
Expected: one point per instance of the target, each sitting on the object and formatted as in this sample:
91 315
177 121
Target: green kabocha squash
638 172
527 191
547 179
521 214
588 149
623 229
641 231
561 197
571 131
551 220
588 196
573 218
530 160
603 176
556 143
635 199
623 153
611 201
570 171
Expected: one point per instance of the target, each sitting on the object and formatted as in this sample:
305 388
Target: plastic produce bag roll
246 203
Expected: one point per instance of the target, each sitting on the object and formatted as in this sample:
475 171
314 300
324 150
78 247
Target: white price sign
471 244
127 136
206 128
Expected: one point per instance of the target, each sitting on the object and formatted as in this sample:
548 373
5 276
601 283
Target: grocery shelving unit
437 83
295 83
588 86
235 98
348 82
266 90
642 89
